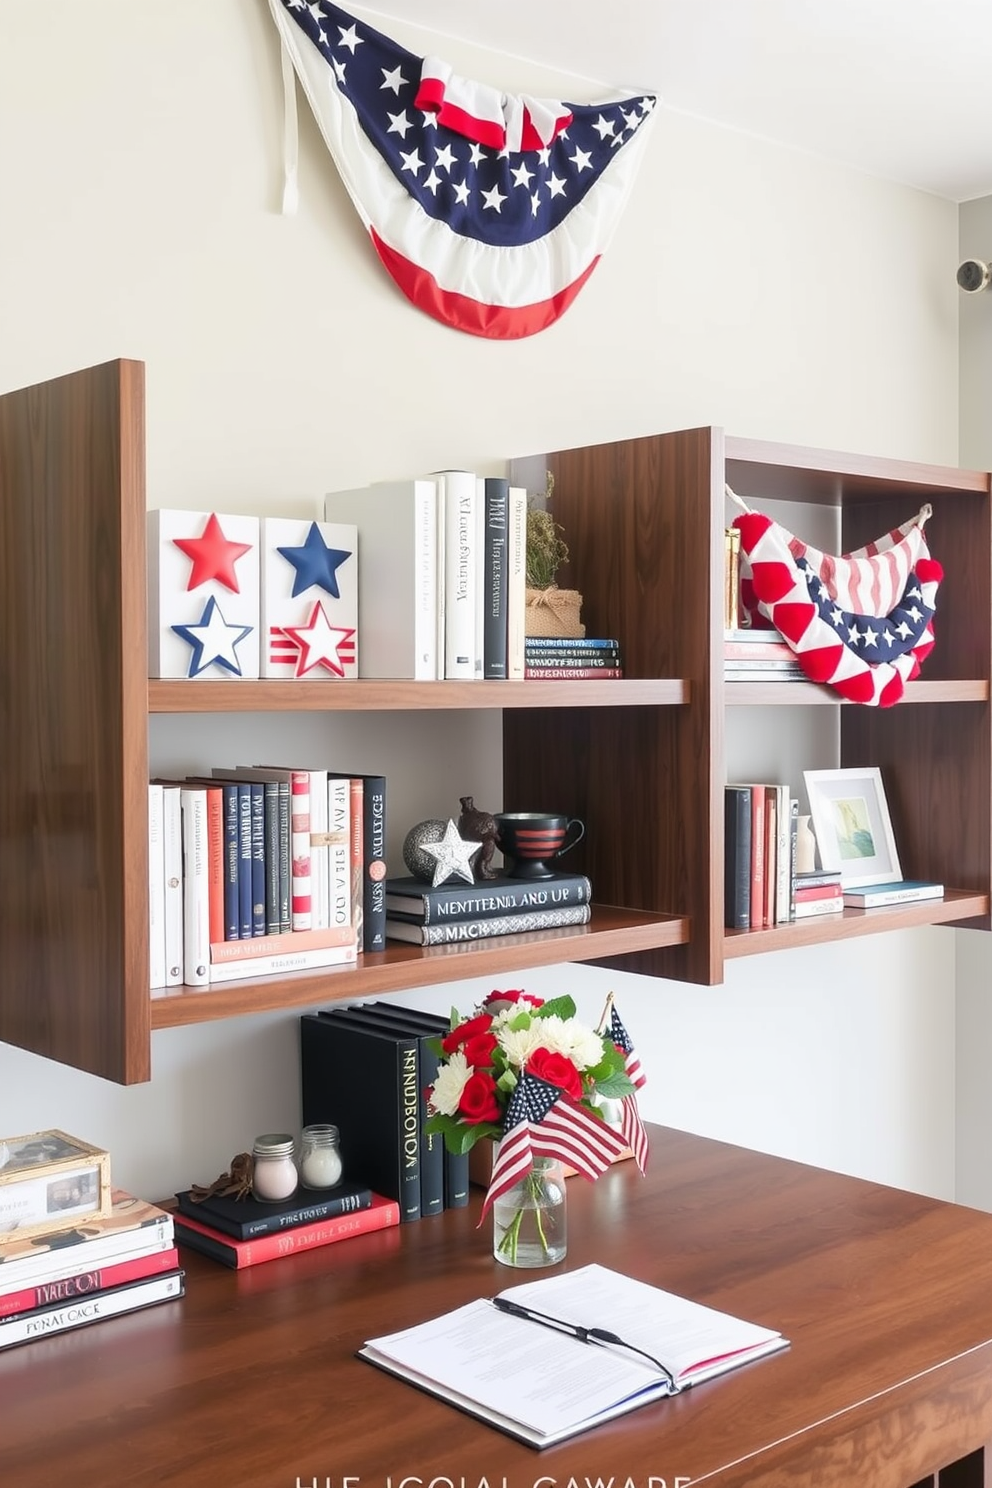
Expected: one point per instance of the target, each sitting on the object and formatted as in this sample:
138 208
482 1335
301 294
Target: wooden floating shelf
805 694
610 932
267 696
957 904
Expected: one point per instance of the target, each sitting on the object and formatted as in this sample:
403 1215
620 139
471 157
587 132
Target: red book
771 855
84 1283
819 891
381 1215
215 860
572 674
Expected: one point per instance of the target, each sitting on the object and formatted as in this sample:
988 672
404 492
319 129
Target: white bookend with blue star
204 606
309 599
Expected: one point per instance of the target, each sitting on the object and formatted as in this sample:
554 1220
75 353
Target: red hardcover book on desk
381 1215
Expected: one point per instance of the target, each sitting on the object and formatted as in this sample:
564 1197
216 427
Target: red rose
557 1070
478 1099
481 1023
478 1049
496 1001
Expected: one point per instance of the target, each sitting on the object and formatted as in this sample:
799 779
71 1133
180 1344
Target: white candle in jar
320 1158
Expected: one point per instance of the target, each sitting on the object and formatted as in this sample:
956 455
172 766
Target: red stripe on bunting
462 313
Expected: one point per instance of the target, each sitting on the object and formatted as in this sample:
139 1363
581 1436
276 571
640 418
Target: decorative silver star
452 855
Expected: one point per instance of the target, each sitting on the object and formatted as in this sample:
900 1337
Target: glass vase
529 1219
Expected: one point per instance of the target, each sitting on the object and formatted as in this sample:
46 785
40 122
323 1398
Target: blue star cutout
212 640
315 563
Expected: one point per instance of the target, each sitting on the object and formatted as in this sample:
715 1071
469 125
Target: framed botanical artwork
852 825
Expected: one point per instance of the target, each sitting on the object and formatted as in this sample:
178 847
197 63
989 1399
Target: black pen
598 1336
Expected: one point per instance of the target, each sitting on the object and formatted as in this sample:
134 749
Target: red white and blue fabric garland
861 623
489 211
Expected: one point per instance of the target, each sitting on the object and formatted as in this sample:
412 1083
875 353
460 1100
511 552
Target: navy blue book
246 1218
245 918
737 857
232 855
258 918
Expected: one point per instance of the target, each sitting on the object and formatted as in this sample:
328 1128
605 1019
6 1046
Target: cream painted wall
750 286
974 983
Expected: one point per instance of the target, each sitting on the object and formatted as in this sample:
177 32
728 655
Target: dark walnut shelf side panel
401 966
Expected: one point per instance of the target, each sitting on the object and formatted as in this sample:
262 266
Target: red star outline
212 555
326 652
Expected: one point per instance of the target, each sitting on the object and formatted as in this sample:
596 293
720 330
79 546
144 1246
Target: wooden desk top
250 1380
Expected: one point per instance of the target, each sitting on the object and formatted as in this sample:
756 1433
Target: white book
320 895
556 1386
339 850
73 1260
173 843
902 891
783 857
479 543
27 1326
397 574
461 503
258 966
196 887
516 581
156 887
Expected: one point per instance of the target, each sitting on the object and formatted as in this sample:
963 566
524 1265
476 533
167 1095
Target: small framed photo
852 826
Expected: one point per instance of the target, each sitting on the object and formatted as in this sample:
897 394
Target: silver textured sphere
419 863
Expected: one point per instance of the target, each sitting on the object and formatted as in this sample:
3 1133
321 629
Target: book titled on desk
415 931
903 891
133 1227
668 1343
381 1214
41 1322
413 899
247 1218
67 1284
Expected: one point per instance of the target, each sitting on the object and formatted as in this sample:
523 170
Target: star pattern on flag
316 564
897 632
212 556
322 644
452 855
213 641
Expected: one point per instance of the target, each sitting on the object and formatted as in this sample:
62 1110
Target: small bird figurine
479 826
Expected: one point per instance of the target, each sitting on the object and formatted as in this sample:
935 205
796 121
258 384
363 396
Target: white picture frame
853 830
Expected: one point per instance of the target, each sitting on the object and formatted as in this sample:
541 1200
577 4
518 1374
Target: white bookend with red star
309 599
203 595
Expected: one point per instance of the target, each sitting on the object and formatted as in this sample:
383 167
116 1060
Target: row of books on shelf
763 885
459 912
753 654
255 870
74 1250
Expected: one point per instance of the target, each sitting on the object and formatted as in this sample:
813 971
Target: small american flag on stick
541 1121
631 1125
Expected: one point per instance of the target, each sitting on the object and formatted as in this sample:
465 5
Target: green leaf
561 1007
613 1087
458 1137
507 1080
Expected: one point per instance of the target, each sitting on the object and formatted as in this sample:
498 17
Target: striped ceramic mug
533 838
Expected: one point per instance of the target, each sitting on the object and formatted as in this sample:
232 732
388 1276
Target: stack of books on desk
95 1269
247 1232
587 659
497 906
816 893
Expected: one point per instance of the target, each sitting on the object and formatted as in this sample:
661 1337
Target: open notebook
539 1380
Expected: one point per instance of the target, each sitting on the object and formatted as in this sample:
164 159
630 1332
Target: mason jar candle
274 1174
320 1156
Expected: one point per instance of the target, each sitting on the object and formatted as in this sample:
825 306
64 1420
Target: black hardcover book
245 1219
431 1145
258 859
456 1177
485 899
244 862
374 859
737 857
366 1082
497 499
232 831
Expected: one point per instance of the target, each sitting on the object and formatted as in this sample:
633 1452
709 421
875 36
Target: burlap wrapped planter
554 612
